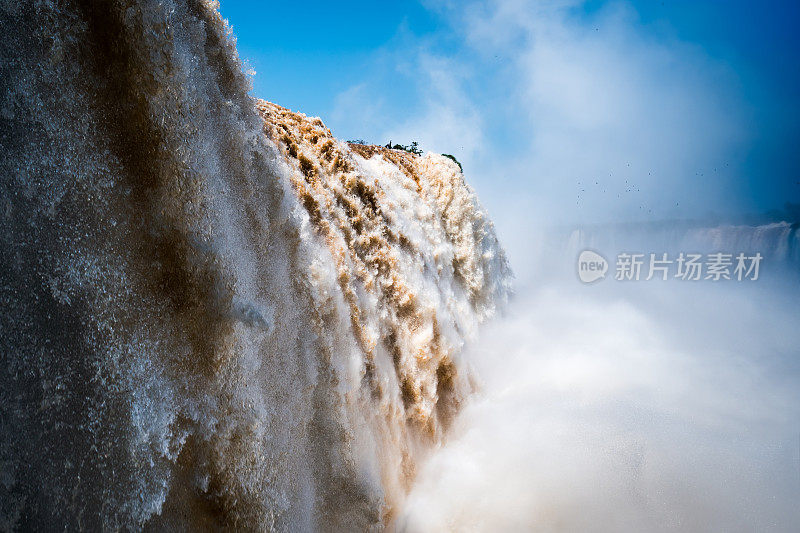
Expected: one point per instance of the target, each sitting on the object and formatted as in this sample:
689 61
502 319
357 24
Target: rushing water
217 315
213 312
630 405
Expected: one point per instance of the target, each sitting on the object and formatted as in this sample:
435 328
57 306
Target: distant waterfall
778 243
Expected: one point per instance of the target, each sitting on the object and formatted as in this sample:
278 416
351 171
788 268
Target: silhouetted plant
413 148
455 160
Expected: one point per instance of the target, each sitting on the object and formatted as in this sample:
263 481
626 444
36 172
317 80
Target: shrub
413 148
455 160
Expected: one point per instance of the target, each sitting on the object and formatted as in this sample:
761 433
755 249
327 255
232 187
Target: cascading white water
629 406
214 313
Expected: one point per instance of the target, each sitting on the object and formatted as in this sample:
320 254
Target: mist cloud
593 416
564 116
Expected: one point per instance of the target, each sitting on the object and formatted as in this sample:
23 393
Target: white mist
646 407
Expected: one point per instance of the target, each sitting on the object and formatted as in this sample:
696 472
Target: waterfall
215 313
777 241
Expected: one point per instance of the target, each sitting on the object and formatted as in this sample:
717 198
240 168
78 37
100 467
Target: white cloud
641 122
447 118
438 111
358 109
562 116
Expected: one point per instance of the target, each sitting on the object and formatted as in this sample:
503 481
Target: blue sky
568 111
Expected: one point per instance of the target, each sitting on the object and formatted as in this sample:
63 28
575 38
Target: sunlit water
217 315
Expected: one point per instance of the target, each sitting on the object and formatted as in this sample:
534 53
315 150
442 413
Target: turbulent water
658 406
213 312
216 315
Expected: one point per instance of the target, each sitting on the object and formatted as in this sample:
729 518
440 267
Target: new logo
591 266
